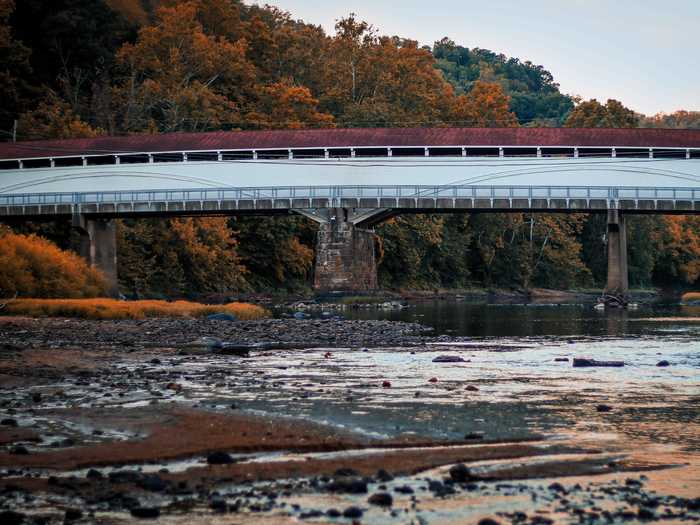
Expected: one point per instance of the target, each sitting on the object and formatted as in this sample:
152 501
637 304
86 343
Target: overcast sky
645 53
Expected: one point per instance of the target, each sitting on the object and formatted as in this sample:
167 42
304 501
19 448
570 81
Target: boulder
219 458
663 363
382 499
584 361
448 359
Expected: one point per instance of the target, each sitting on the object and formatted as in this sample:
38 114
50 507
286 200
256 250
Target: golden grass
103 308
690 296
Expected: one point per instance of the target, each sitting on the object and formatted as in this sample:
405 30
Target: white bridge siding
429 182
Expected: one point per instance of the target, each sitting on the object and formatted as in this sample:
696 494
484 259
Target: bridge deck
644 171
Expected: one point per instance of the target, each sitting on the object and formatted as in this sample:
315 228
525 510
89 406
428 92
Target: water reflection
493 320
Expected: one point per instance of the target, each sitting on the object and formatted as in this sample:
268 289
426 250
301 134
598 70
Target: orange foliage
486 106
113 309
681 246
33 266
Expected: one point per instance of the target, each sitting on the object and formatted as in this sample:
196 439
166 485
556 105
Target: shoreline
125 418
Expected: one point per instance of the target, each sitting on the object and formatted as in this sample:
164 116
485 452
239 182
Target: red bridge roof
339 138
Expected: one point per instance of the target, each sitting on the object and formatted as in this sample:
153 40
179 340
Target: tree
53 119
678 119
179 257
534 96
15 70
178 78
485 106
285 106
592 114
31 266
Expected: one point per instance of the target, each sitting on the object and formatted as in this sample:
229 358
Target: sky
645 53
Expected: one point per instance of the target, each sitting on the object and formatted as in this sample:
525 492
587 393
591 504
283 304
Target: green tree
593 114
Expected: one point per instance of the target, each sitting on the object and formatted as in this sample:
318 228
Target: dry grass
690 296
112 309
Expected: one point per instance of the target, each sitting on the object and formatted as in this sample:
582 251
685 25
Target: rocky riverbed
341 422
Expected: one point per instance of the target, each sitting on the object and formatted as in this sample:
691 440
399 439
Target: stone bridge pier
98 246
618 283
345 255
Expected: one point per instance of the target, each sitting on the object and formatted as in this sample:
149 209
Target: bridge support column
618 283
98 246
345 259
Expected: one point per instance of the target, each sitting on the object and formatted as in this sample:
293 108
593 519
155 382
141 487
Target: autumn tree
485 106
285 106
54 119
178 78
31 266
179 257
678 119
593 114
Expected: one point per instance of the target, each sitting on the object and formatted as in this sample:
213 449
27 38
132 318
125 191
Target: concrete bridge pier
345 258
618 283
98 246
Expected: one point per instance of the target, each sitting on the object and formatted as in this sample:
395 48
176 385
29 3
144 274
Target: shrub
33 266
113 309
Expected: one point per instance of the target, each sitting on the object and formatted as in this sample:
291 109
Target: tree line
83 68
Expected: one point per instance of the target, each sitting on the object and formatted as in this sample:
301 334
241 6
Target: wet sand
114 431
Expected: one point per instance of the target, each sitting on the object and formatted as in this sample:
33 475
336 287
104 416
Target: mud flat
112 422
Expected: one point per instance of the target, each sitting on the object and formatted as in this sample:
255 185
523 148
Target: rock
10 517
383 476
36 397
583 361
561 359
488 521
603 408
124 476
19 450
218 505
645 514
471 388
557 487
333 513
73 514
352 512
153 483
382 499
347 485
94 474
440 489
433 380
474 435
448 359
9 422
240 350
460 473
386 384
155 361
203 343
663 363
345 471
145 512
222 317
219 458
403 489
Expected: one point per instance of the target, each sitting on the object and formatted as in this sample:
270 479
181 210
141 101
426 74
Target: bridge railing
339 192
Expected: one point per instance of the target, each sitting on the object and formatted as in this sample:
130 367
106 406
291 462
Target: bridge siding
344 138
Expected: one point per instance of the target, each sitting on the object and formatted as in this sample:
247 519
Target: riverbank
113 421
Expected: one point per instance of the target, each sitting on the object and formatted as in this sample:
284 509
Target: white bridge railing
337 193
